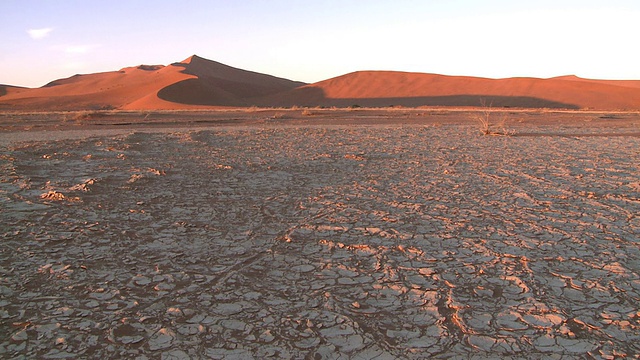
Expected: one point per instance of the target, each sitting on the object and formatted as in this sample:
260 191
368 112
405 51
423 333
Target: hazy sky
310 40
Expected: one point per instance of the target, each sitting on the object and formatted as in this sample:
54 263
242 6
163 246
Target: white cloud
38 34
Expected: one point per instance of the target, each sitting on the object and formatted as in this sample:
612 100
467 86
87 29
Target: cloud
38 34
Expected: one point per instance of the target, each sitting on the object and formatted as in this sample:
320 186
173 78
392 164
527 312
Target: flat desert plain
319 234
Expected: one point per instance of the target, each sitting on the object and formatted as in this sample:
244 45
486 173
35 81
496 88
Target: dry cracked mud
334 242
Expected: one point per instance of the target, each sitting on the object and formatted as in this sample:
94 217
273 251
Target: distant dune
10 90
200 83
623 83
386 88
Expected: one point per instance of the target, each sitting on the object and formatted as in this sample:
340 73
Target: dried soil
399 240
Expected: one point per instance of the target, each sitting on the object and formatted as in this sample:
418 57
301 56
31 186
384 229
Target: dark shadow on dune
313 96
3 90
217 84
213 92
150 67
455 100
308 96
198 92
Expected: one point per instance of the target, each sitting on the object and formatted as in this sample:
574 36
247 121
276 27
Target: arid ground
319 234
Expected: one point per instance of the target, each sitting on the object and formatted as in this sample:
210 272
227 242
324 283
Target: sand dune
192 83
105 90
9 90
200 83
385 88
216 84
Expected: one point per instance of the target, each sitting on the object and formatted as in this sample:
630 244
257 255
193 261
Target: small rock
484 343
228 309
20 335
174 311
131 339
308 343
267 337
191 329
175 354
141 280
303 268
161 340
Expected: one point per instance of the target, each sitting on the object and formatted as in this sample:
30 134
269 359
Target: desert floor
324 235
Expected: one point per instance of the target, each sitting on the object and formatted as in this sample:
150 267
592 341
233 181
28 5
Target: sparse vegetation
310 112
489 126
278 116
89 115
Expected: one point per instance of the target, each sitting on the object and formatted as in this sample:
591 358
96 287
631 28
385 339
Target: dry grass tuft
310 112
488 126
89 115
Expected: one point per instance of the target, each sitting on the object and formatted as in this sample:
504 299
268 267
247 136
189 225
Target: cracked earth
334 242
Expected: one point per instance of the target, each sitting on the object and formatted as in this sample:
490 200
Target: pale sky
309 41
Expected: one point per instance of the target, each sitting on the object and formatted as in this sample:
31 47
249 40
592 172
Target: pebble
162 339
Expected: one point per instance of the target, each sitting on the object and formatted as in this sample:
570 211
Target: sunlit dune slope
386 88
106 90
623 83
10 90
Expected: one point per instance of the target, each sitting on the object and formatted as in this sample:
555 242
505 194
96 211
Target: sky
309 41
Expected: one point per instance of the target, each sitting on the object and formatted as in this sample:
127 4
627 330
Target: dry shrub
489 126
89 115
52 195
310 112
57 196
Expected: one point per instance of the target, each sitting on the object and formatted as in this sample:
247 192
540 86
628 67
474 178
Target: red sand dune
106 90
216 84
201 83
192 83
9 90
385 88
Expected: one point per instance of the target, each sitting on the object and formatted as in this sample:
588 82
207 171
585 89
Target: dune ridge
623 83
199 83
